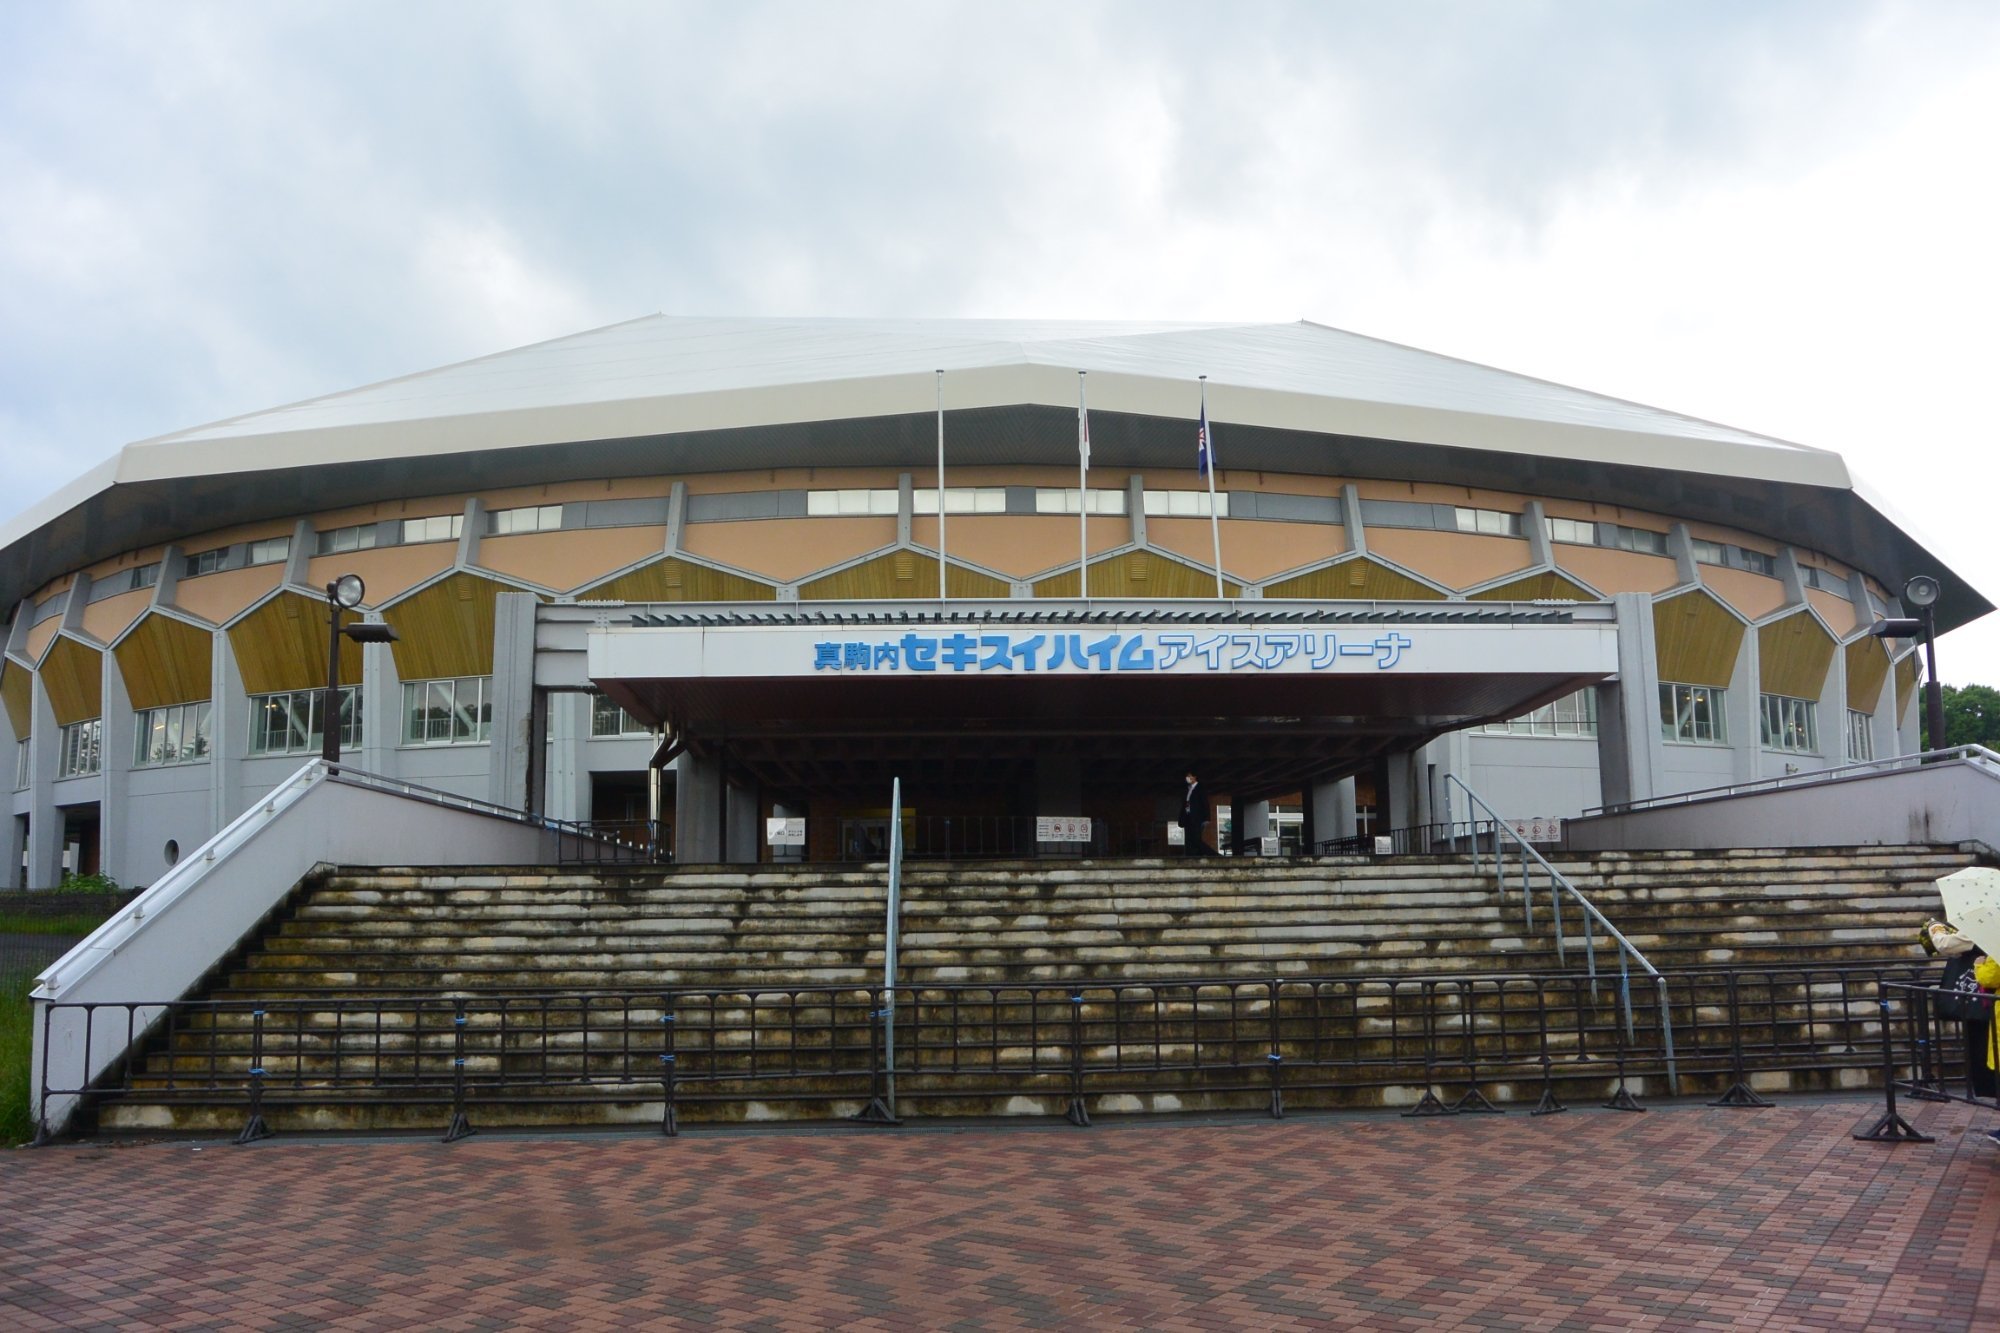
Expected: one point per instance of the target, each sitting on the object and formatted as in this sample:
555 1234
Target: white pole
1214 527
1082 489
942 593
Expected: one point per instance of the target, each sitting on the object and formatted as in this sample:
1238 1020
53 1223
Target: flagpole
1214 527
942 594
1082 489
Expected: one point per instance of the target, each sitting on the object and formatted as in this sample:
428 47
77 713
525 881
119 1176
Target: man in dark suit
1194 815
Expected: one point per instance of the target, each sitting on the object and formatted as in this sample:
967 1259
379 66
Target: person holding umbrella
1972 904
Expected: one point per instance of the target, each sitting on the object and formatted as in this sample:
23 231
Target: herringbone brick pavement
1680 1218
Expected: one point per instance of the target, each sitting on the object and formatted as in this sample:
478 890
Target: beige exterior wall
1837 611
1250 549
1616 571
564 560
1752 594
1455 559
218 597
389 571
106 620
788 549
1020 545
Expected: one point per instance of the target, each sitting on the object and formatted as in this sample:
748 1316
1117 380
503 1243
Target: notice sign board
1061 828
786 832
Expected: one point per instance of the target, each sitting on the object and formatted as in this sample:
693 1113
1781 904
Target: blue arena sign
1015 651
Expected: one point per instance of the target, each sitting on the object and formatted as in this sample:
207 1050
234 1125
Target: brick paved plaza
1681 1218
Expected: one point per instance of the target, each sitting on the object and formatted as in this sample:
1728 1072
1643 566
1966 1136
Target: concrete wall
1938 803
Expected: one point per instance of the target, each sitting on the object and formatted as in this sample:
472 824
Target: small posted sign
789 831
1061 828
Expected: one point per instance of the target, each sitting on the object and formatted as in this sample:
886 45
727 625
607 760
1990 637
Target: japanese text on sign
1234 650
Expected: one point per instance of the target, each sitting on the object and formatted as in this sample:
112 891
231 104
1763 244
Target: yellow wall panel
1359 580
1139 574
1695 640
447 629
678 581
74 677
1793 655
166 661
1547 586
17 691
1906 685
900 574
282 646
1867 668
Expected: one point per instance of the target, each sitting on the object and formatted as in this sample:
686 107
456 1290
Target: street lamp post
343 594
1922 593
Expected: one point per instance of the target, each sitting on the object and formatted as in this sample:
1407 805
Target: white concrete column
229 733
698 810
513 698
112 812
568 793
746 822
1644 754
1742 705
45 824
1253 822
381 709
1333 809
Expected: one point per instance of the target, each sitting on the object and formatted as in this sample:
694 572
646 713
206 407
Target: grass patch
17 1030
69 923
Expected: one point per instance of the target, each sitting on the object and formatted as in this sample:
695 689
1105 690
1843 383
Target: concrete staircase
360 969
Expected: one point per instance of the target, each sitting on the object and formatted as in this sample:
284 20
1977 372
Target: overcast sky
1777 215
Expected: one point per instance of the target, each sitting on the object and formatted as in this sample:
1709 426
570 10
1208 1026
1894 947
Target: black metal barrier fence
1063 1043
1928 1055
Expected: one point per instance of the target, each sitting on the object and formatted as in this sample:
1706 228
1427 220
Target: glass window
355 537
1860 737
437 528
1054 500
291 723
1692 713
145 576
82 749
448 712
1642 540
1757 562
270 550
1788 724
1185 504
960 500
608 719
826 504
206 563
1571 715
22 768
1578 531
1709 553
534 518
174 735
1490 522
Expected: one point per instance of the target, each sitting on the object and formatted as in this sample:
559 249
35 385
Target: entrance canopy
1258 699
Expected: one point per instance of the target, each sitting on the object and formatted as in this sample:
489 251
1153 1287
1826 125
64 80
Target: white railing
1560 889
1975 756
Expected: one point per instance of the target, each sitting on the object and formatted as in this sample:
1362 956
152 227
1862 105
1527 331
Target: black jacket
1194 807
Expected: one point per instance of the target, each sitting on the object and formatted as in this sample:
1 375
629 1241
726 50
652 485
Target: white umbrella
1972 903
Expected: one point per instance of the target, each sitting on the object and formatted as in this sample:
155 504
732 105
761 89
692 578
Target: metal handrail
1559 885
180 880
1977 755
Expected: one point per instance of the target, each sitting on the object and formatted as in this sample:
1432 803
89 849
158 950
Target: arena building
697 571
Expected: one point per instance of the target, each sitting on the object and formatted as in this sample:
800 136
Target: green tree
1971 717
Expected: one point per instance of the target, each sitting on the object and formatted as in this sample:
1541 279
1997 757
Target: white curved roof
663 375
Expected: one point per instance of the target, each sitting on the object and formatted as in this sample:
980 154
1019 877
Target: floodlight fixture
1921 591
346 591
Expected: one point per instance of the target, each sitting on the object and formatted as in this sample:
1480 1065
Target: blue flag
1203 452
